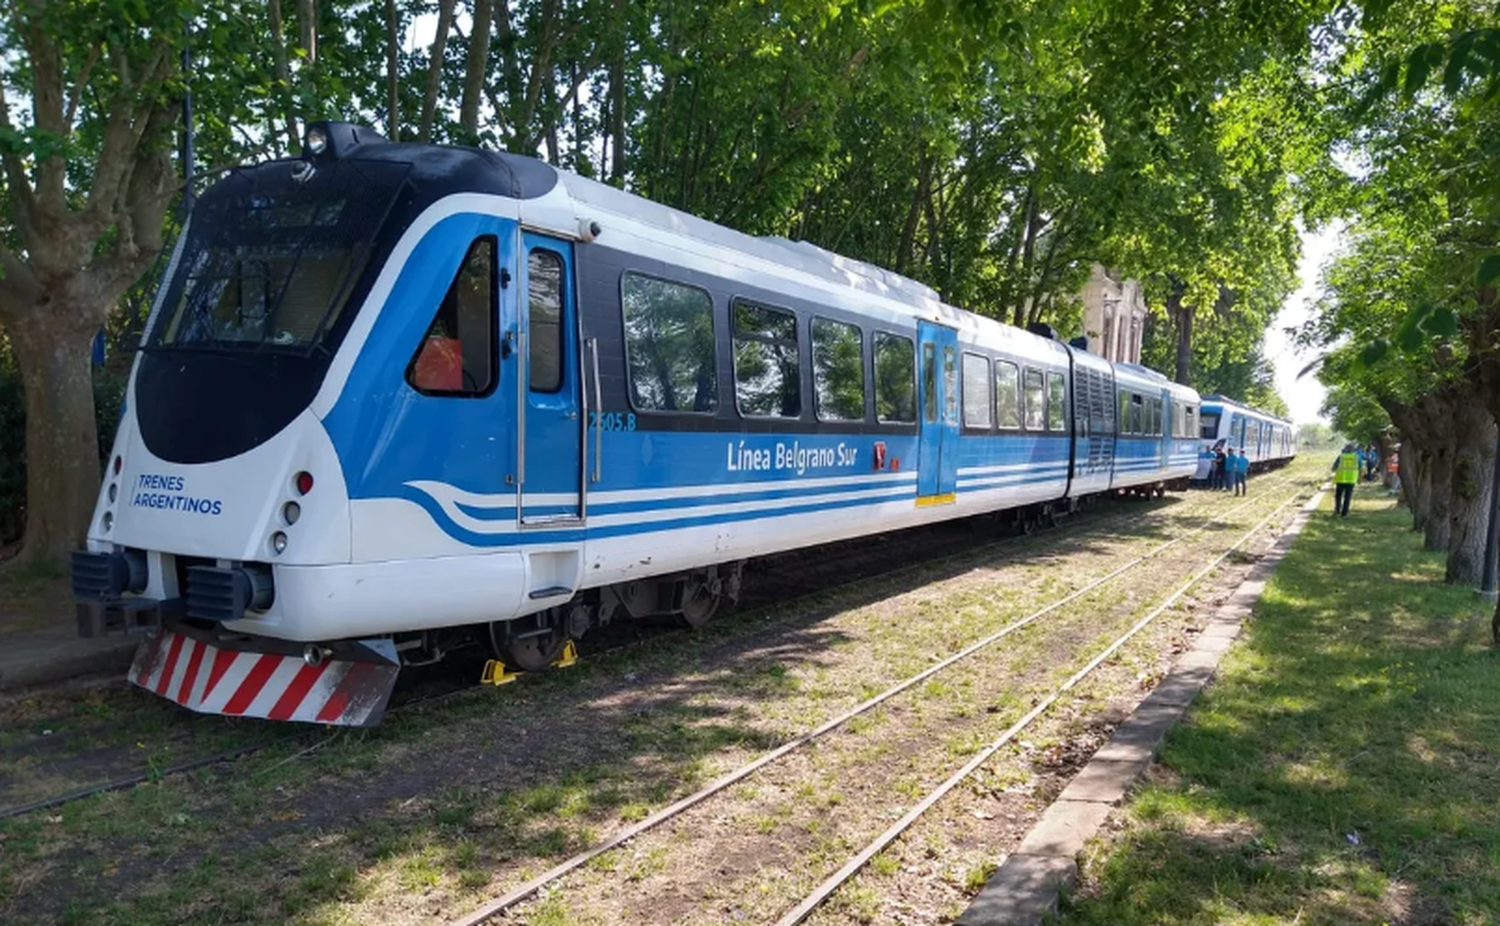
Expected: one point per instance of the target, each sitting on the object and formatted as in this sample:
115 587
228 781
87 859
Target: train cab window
977 392
1007 394
544 320
838 352
1057 398
457 354
1035 405
1208 426
895 382
669 345
767 367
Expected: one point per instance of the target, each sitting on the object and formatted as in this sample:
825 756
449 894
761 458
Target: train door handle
572 415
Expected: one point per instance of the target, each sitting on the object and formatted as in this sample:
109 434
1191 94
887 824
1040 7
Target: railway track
552 876
861 561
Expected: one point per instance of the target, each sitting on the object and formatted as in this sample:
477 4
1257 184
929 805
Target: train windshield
272 255
1209 425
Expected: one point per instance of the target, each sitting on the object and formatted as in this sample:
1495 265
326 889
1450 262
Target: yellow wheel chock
495 673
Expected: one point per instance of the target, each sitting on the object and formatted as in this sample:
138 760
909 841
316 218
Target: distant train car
1269 441
398 399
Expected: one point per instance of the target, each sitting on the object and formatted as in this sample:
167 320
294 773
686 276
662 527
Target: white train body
392 398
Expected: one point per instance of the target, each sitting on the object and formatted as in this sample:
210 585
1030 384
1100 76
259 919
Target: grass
1343 767
370 828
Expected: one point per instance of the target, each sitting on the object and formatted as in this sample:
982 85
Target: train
394 400
1268 440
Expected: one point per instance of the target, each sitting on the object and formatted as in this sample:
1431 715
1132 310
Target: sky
1304 397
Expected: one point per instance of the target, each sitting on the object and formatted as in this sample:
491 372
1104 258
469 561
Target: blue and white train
394 399
1267 440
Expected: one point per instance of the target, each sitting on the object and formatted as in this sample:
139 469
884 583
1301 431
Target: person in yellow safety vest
1345 475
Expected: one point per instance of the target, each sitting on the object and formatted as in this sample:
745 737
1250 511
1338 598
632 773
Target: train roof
1242 407
1153 378
563 203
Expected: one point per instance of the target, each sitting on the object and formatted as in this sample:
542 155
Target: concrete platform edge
53 665
1026 888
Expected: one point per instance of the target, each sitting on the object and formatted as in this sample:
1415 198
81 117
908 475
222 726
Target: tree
104 101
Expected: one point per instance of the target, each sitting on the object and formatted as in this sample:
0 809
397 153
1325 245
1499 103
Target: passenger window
838 352
1056 402
1156 422
895 382
1007 398
767 369
1124 413
929 383
457 354
976 391
544 320
669 345
1036 401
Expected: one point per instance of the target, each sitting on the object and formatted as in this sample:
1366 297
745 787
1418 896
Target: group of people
1224 468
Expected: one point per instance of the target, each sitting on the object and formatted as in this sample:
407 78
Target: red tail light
304 483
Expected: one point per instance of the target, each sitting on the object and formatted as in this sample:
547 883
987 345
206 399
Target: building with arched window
1114 315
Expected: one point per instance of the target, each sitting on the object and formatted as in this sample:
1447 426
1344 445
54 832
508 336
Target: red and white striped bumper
212 680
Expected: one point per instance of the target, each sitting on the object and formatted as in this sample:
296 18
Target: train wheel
699 604
535 649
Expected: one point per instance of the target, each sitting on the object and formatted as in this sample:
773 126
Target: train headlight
114 491
290 512
317 140
278 541
107 521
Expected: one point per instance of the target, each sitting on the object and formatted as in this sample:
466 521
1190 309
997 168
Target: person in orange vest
1345 475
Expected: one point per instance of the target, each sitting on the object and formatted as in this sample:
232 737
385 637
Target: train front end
224 503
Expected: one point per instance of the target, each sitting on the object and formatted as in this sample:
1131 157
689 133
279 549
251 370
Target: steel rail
187 765
836 880
520 893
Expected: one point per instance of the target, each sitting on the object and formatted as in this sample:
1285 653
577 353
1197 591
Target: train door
937 442
551 425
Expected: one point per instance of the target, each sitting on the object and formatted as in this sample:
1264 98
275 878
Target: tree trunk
617 106
1028 258
1439 528
392 71
62 446
914 212
283 72
1416 471
1473 466
1182 326
435 69
478 67
307 29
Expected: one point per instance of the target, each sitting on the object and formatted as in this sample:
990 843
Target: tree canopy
995 151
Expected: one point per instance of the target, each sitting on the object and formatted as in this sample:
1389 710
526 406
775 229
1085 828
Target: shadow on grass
1343 768
476 793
